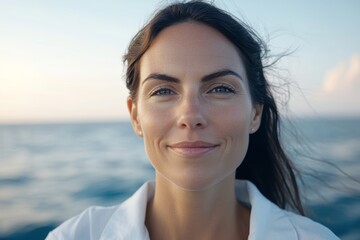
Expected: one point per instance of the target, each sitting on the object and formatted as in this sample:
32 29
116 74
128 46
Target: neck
214 213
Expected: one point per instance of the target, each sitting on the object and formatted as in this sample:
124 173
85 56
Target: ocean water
50 172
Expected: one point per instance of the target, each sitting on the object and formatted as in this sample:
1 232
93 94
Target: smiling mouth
192 149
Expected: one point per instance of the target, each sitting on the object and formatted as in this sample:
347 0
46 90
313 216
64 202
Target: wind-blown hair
265 164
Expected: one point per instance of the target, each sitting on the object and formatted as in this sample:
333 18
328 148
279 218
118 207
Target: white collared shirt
127 220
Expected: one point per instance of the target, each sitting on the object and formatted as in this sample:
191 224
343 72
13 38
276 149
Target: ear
134 116
256 117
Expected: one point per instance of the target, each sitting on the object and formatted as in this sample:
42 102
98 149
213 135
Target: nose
191 113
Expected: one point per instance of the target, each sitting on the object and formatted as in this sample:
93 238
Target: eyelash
166 91
161 92
225 89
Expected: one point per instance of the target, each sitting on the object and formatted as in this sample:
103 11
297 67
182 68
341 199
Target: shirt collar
128 221
267 220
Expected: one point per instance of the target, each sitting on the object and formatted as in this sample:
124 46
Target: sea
51 172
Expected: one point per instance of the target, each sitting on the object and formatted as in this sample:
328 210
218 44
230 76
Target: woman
199 98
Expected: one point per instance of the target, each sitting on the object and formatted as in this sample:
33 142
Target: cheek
233 124
154 120
152 139
233 119
236 134
155 124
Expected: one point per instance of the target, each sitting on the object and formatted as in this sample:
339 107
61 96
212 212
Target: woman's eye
222 89
162 91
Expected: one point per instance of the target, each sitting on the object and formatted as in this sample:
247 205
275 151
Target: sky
62 60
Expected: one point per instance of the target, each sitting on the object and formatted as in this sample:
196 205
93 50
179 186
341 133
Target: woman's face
193 107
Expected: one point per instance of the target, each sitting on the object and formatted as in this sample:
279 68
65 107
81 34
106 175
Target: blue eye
162 91
222 89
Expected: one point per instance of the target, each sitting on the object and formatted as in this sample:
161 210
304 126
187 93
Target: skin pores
193 107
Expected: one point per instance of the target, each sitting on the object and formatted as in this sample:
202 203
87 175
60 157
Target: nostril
192 125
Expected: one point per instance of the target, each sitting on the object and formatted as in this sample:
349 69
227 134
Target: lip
189 149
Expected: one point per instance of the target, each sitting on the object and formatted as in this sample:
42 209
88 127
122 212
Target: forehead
191 47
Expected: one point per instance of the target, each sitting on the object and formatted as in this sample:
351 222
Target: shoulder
87 225
268 221
306 228
121 221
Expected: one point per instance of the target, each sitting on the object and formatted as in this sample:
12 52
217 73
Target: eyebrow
206 78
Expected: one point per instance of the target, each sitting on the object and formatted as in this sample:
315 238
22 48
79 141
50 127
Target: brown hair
265 164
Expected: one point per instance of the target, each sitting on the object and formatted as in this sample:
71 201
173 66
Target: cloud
344 78
339 94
